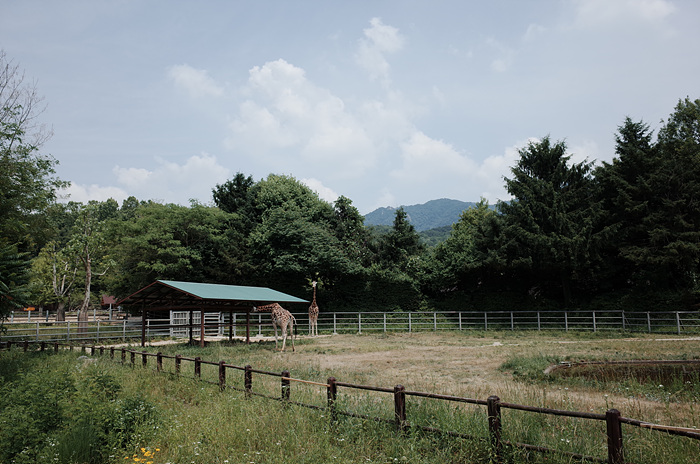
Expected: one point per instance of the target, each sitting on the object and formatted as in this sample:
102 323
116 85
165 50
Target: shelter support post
201 327
143 326
247 327
230 325
189 328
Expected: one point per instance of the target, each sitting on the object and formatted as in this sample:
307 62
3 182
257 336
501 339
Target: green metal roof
232 292
168 294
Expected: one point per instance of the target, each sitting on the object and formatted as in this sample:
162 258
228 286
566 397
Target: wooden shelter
169 295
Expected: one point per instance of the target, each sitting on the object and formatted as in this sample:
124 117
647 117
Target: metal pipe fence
233 325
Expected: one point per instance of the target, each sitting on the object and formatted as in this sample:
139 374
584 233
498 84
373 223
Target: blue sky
385 102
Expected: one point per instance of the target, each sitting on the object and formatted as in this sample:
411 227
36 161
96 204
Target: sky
386 102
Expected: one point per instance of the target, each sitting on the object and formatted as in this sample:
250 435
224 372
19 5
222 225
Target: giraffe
281 317
313 314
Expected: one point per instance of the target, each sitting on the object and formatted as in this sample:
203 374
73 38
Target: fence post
486 321
222 375
648 322
595 329
43 346
144 358
400 407
566 321
332 391
67 331
111 352
55 347
539 325
512 321
178 362
614 430
409 323
37 330
494 411
248 381
123 355
285 385
124 330
159 361
102 350
198 366
434 321
678 322
384 322
460 320
25 345
359 323
133 358
92 350
623 320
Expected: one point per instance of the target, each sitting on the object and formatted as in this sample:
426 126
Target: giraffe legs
288 326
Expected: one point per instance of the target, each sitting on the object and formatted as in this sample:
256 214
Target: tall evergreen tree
550 223
627 197
673 248
401 243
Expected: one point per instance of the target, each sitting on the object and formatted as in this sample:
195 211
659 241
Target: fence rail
233 325
612 418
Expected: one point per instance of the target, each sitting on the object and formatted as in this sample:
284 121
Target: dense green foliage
625 235
66 410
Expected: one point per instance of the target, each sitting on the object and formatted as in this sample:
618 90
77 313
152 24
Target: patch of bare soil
457 364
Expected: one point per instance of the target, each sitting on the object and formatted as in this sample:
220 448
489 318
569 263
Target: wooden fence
494 406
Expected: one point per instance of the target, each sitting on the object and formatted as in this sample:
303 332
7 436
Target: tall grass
101 411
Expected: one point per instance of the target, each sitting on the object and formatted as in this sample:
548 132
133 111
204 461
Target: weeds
106 412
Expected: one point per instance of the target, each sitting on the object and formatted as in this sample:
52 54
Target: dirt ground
470 365
463 365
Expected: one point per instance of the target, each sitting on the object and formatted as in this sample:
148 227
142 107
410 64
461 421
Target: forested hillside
430 215
622 235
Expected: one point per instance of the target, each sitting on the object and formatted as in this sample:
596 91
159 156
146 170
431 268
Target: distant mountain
430 215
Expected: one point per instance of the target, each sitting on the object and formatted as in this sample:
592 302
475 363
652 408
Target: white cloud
600 12
504 56
85 193
196 82
533 31
291 120
378 40
177 182
586 151
427 160
325 193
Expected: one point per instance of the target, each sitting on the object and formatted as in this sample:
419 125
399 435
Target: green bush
60 409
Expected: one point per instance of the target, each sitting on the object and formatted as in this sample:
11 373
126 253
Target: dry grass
470 365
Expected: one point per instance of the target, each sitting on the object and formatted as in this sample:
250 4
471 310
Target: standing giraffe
313 314
281 317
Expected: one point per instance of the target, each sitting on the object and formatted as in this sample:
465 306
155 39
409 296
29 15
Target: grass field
103 411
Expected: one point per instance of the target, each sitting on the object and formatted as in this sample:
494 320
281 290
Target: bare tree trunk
83 311
61 311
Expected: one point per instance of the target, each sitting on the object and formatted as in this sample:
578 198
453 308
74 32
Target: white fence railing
234 325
